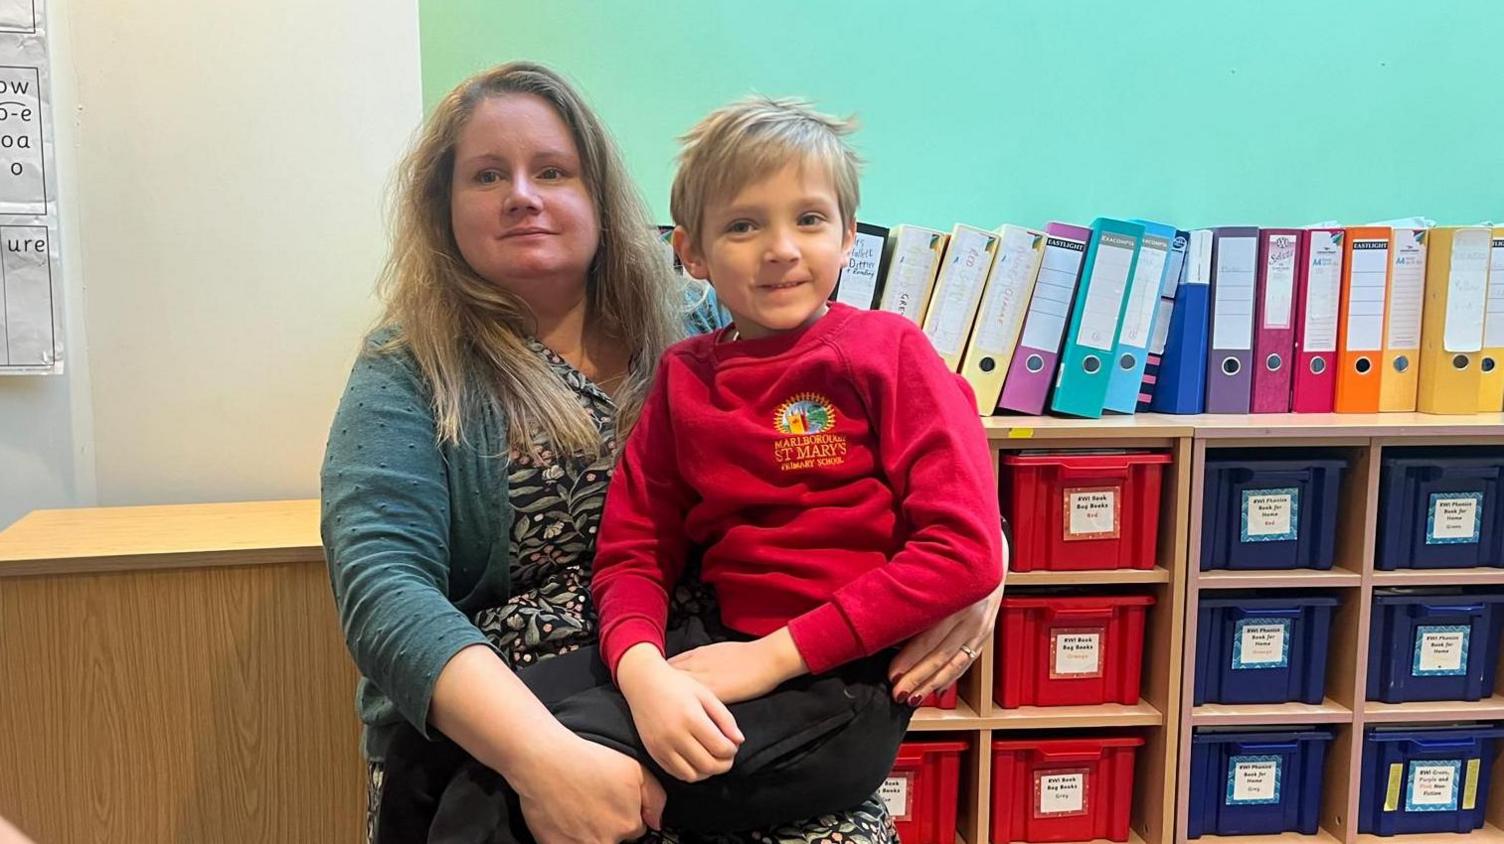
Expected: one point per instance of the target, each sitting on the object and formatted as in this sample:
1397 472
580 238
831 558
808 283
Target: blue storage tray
1256 782
1262 650
1278 511
1433 644
1425 779
1440 509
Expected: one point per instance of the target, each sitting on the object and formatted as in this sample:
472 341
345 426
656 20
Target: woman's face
522 215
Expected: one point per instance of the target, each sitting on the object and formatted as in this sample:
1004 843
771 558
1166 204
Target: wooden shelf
1138 426
1318 425
929 719
1439 577
1278 579
1278 838
1375 712
1258 714
1103 577
1133 838
1140 714
1489 834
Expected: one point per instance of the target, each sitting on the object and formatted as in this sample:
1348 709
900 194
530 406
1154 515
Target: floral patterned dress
558 501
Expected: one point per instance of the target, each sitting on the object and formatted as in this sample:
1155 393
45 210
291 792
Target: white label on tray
1440 650
1077 654
1061 794
1453 518
1432 786
1269 515
895 794
1253 779
1261 643
1093 512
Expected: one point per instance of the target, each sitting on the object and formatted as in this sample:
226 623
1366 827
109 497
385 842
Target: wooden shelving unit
982 721
1362 438
1169 646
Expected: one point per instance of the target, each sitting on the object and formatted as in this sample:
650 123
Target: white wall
46 439
224 168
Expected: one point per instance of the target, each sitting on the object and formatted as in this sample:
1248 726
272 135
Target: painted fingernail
914 700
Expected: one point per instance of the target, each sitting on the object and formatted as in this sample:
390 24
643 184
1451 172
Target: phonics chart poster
31 340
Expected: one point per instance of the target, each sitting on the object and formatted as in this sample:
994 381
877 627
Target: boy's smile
773 251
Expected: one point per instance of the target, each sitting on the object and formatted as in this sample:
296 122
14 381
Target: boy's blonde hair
752 139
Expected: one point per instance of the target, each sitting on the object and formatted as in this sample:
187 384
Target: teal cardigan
416 534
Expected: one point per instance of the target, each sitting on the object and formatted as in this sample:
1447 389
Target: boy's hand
738 671
689 733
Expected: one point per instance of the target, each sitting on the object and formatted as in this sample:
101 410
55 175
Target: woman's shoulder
384 350
385 371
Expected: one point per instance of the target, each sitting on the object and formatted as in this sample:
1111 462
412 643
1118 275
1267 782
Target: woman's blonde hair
753 138
468 335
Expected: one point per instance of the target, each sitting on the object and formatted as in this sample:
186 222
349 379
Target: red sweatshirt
836 478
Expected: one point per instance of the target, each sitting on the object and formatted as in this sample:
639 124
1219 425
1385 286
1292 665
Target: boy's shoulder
693 347
881 332
885 324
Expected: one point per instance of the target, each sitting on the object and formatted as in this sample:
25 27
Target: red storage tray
1068 651
1062 789
924 790
942 699
1083 512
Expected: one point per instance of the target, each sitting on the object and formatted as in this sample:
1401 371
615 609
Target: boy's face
773 251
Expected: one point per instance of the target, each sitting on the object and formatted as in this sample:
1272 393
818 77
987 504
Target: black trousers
814 745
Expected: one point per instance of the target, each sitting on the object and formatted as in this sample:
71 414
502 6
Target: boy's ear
689 255
848 241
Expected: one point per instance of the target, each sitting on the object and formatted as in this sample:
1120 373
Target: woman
527 302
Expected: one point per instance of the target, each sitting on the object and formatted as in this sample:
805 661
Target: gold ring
969 652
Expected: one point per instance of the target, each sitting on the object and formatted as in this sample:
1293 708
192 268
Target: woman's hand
584 792
937 657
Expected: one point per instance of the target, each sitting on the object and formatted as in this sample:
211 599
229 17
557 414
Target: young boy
822 457
830 475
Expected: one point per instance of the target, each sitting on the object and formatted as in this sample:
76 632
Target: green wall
1194 113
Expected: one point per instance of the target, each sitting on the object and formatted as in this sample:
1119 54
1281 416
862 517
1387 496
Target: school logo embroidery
807 422
805 414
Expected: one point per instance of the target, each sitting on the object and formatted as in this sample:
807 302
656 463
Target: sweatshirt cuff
415 701
825 638
623 636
